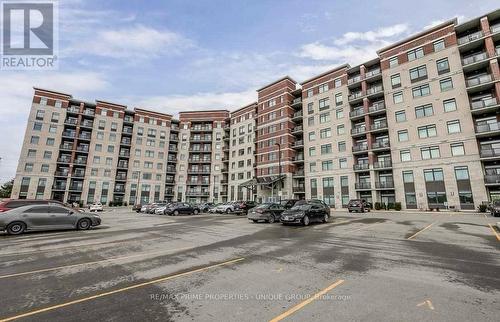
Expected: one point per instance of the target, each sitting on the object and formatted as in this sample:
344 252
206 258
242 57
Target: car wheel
83 224
195 212
228 211
272 219
255 220
349 210
325 218
362 210
16 228
176 213
306 221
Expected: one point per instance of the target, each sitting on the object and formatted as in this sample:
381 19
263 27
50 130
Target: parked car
46 217
160 210
244 206
177 208
154 206
359 205
97 206
269 212
137 207
495 208
144 208
227 208
9 204
288 203
206 206
306 213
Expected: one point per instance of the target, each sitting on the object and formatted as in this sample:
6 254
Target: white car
143 208
96 207
226 208
160 210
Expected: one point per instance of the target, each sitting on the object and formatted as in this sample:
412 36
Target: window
28 167
52 128
327 165
343 163
338 99
323 88
34 139
340 113
102 125
338 83
43 101
312 167
457 149
424 110
446 84
400 116
405 155
418 73
47 155
422 90
462 173
40 114
453 126
393 62
408 176
415 53
310 121
397 97
310 93
341 129
396 81
312 136
31 153
438 45
403 135
427 131
450 105
55 117
325 133
443 66
324 117
312 151
44 168
37 126
342 146
326 149
310 108
50 141
431 152
433 175
323 104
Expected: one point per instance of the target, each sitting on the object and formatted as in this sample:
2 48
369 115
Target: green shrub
111 204
397 206
390 205
383 206
482 208
377 205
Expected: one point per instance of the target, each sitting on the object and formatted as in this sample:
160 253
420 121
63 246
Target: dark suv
9 204
305 213
358 205
177 208
244 206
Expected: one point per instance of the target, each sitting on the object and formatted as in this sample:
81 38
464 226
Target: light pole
138 182
279 170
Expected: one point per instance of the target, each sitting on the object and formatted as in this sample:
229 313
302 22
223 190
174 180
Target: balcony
82 148
355 96
372 73
354 80
84 136
298 159
200 160
470 38
171 159
358 130
174 138
174 128
62 173
128 119
487 128
119 190
297 115
299 173
378 145
172 148
376 107
70 135
492 179
122 165
479 80
59 187
297 101
225 170
359 148
474 58
125 141
67 147
73 109
378 165
198 193
88 112
86 123
64 159
483 103
124 154
200 150
121 176
362 185
298 129
201 138
298 144
374 90
81 161
488 153
387 184
495 28
71 121
170 170
199 171
127 130
357 113
201 128
299 189
75 187
169 192
170 181
378 126
78 174
361 166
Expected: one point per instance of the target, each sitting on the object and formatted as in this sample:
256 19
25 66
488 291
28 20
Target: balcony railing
200 160
78 174
297 129
298 158
359 147
357 112
382 164
71 121
374 90
492 178
59 187
355 95
82 148
488 127
359 130
474 81
126 142
354 79
362 185
297 101
127 130
483 102
299 173
80 161
298 143
66 147
89 112
372 73
200 138
201 128
361 166
474 58
87 124
65 160
75 187
121 176
62 173
298 114
379 106
200 171
489 152
471 37
495 28
69 134
128 119
197 193
84 136
380 145
124 154
378 125
170 170
384 184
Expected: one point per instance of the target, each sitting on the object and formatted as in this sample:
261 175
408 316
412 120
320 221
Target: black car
244 206
358 205
288 203
495 208
178 208
269 212
306 213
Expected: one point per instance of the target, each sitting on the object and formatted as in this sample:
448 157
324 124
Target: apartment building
419 124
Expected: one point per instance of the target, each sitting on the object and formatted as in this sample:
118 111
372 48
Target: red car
9 204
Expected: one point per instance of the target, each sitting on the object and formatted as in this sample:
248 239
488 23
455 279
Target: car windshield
302 207
264 206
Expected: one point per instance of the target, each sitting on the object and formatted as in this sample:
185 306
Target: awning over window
269 180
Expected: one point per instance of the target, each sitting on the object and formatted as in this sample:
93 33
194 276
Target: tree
6 189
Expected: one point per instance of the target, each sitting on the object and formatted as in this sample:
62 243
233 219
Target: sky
176 55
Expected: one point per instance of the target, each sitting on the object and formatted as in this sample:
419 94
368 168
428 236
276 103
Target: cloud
16 91
372 35
138 41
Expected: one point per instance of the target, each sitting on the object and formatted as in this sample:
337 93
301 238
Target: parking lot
379 266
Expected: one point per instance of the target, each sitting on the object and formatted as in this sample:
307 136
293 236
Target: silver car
46 217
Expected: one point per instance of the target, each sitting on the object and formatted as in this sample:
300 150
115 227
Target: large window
433 175
424 110
462 173
422 90
327 165
405 155
408 176
438 45
338 99
457 149
453 126
323 88
442 66
326 149
397 97
431 152
418 73
403 135
393 62
415 53
450 105
325 133
427 131
323 104
324 117
396 81
400 116
446 84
